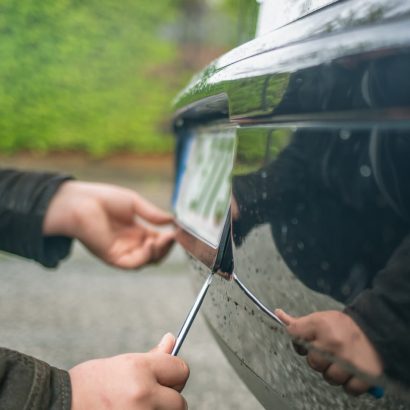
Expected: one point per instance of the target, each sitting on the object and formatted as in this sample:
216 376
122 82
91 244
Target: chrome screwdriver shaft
191 315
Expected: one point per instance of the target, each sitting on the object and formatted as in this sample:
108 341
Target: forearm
28 383
24 200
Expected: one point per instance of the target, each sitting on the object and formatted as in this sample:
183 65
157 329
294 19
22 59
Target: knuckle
179 364
316 362
142 393
335 376
184 368
335 341
335 345
138 361
355 386
181 403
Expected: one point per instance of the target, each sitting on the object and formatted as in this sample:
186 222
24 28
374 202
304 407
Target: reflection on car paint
343 16
325 218
315 184
277 13
319 70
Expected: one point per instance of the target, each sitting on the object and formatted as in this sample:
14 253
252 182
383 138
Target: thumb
284 317
288 320
166 344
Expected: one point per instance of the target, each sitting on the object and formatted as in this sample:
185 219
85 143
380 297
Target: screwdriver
192 315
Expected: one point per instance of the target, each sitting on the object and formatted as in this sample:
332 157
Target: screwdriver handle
191 315
376 391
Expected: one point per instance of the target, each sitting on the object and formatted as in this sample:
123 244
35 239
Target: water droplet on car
345 134
264 195
294 221
300 245
325 265
264 174
365 171
284 229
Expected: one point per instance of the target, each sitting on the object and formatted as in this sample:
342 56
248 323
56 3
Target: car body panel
262 64
278 13
308 99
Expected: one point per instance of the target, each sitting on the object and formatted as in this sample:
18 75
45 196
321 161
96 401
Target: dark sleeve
383 313
24 199
28 383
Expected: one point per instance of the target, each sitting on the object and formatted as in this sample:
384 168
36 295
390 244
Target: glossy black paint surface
322 110
319 191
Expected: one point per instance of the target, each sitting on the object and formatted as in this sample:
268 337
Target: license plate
203 195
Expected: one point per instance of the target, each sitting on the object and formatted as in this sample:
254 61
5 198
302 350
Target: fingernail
163 341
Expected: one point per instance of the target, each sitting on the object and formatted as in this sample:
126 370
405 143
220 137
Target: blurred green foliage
93 76
257 147
96 76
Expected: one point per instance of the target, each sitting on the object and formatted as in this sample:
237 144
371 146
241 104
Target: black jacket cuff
24 199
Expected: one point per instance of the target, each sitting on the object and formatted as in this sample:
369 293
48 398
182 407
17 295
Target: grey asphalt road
85 310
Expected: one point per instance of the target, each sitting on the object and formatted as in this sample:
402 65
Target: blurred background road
86 309
87 88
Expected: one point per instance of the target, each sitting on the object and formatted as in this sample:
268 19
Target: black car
292 164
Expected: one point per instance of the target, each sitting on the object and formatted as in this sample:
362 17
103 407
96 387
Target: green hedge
99 75
86 75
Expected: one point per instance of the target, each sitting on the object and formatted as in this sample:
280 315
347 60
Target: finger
138 257
151 212
162 245
166 344
288 319
284 317
234 209
169 399
169 370
335 375
317 361
304 328
356 386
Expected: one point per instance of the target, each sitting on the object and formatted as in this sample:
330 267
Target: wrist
61 218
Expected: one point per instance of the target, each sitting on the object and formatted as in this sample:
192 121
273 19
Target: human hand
103 218
140 381
336 333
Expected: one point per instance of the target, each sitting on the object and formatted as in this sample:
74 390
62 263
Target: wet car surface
292 166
